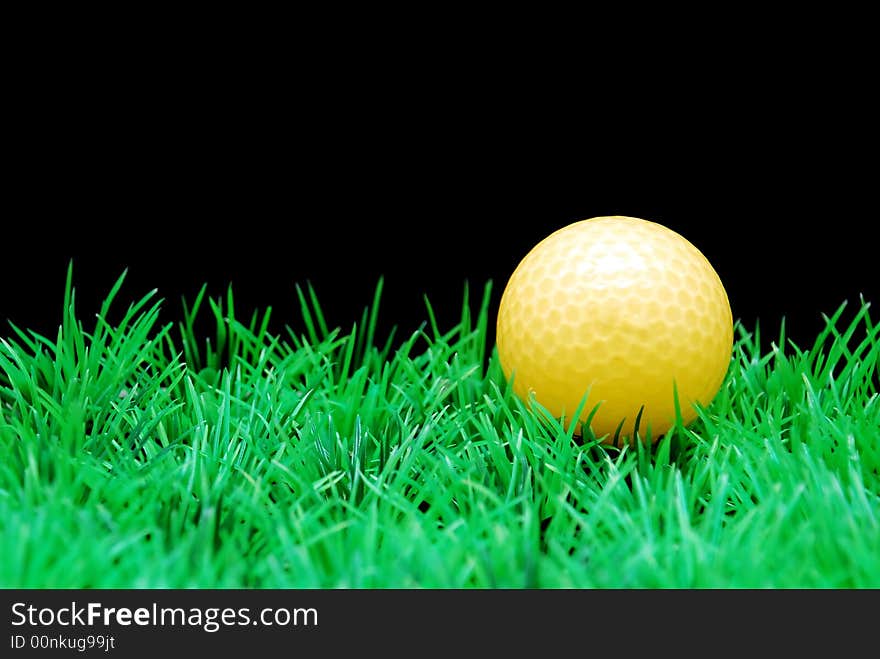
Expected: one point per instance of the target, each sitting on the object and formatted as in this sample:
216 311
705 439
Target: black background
433 174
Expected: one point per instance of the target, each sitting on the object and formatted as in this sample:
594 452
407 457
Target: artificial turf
140 454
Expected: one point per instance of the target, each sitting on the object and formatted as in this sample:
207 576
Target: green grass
138 454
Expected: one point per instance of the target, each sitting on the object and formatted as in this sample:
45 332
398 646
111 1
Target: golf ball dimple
623 311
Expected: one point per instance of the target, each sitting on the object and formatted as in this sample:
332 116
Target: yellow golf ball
623 311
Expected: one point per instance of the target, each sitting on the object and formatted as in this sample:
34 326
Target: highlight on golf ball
623 312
